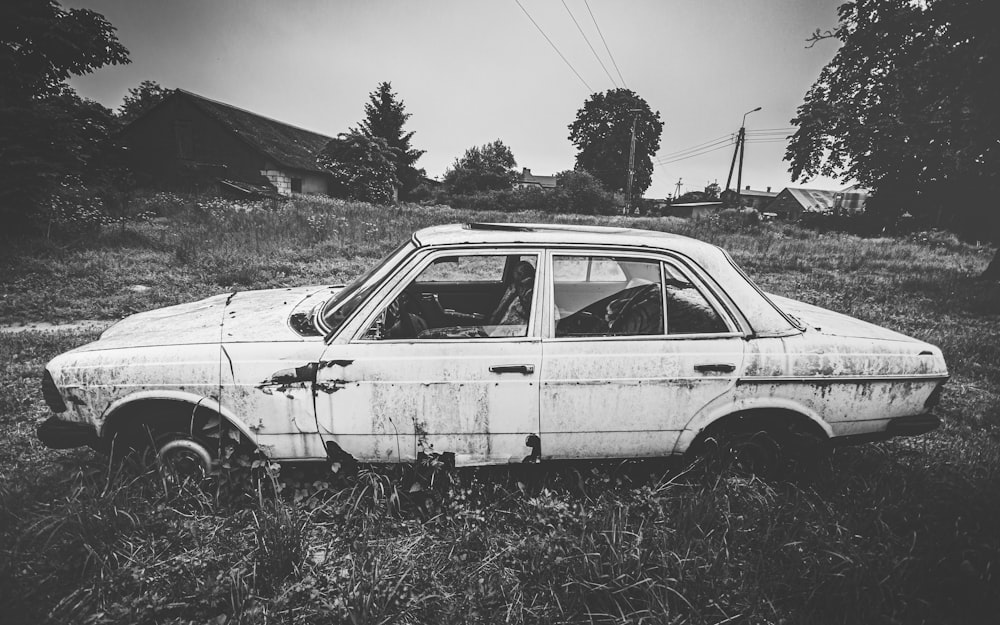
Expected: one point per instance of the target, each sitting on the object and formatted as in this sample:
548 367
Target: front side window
461 297
607 296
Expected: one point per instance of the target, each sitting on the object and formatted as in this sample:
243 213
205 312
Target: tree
909 108
584 193
363 167
140 99
46 131
602 133
385 115
487 168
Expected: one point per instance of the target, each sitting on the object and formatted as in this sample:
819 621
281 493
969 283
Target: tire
754 452
181 458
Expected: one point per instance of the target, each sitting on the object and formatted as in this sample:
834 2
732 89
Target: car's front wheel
181 458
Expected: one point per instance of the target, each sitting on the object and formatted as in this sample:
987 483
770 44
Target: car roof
559 234
764 317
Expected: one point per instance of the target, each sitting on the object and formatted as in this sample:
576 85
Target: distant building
792 202
528 179
191 142
757 200
694 210
851 200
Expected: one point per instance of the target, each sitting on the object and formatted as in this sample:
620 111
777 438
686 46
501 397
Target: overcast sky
471 71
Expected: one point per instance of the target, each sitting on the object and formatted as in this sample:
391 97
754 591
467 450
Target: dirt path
75 326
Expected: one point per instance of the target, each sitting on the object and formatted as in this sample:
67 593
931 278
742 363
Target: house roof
756 193
816 200
546 182
288 145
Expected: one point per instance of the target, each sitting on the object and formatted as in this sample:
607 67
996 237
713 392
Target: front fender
192 399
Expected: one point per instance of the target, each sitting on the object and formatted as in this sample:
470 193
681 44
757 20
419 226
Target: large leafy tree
909 107
385 115
363 168
602 134
140 99
47 132
490 167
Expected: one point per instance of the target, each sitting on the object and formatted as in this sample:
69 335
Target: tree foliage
909 107
47 132
583 193
602 134
363 167
385 115
482 168
140 99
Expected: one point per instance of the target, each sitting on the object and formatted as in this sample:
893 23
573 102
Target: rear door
634 347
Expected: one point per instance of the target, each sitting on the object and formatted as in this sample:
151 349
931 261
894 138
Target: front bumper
61 434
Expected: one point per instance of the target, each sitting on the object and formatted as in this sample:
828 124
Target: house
191 142
528 180
792 202
757 200
694 210
851 200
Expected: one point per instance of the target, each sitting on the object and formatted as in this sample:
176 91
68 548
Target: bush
578 192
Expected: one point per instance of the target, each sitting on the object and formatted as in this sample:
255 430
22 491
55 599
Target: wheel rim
185 459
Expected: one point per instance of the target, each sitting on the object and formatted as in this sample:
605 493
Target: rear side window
607 296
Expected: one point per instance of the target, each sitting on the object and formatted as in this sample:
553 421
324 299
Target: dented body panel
268 362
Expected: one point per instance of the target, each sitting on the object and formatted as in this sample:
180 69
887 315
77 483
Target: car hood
241 316
834 323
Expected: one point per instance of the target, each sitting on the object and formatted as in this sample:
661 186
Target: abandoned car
490 344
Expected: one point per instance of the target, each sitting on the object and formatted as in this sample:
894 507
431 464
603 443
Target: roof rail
500 227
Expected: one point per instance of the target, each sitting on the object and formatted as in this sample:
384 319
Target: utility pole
741 143
677 193
631 163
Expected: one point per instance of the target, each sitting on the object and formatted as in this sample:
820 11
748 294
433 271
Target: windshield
344 303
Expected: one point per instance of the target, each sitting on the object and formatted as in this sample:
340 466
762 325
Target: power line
611 56
696 154
713 142
584 35
568 64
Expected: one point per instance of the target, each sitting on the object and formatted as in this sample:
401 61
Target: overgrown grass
898 532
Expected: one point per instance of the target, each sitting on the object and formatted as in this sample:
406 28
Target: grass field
906 531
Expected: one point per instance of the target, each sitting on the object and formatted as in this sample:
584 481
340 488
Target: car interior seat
515 303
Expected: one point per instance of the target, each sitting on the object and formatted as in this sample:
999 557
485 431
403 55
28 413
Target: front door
635 348
447 362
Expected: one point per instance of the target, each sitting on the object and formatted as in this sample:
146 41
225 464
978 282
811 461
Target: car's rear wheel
743 452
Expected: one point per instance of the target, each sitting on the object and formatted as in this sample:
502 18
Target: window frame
720 308
408 275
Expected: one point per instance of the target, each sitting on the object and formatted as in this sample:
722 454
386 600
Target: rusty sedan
496 343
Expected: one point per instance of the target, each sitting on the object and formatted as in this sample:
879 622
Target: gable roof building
792 202
528 179
189 141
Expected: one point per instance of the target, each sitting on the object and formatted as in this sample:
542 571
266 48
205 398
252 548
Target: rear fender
703 420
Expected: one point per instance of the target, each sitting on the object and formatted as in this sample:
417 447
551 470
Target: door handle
525 369
716 368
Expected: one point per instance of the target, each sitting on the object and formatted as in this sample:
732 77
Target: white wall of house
288 182
281 181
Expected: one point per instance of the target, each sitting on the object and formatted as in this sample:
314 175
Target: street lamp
631 162
740 142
